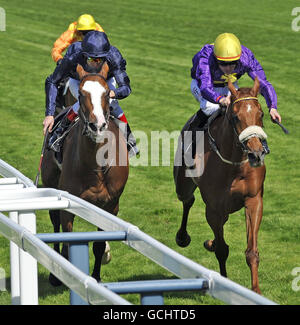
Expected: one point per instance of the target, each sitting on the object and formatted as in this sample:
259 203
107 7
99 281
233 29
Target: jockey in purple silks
217 63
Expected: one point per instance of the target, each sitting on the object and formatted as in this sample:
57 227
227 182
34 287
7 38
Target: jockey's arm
204 78
268 92
118 71
123 83
51 87
266 88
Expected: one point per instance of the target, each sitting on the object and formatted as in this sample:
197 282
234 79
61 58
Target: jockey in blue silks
90 54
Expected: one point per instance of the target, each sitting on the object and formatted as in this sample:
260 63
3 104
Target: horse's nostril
103 126
93 127
256 158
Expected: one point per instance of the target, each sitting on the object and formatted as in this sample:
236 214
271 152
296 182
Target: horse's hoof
183 239
106 257
96 276
210 245
54 281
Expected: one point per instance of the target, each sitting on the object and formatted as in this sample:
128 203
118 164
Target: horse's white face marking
249 108
96 91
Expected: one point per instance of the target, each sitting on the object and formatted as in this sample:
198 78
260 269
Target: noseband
249 132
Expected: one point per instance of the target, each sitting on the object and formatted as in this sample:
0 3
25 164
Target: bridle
89 128
251 131
231 120
243 137
244 98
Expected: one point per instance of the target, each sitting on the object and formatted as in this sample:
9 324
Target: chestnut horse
84 172
233 176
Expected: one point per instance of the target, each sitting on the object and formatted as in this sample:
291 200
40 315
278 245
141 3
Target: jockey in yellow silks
74 33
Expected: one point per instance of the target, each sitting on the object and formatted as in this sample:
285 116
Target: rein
249 132
213 145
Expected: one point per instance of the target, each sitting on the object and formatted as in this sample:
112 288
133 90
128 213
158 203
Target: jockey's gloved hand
225 101
274 115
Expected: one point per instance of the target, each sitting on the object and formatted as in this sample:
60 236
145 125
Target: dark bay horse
231 179
88 169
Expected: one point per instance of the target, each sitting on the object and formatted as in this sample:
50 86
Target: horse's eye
235 118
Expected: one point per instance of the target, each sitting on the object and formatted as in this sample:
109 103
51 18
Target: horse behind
95 160
231 179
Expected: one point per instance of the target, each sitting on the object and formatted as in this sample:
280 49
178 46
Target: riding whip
286 131
41 159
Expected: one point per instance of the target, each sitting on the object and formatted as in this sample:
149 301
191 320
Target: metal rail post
79 257
28 265
15 266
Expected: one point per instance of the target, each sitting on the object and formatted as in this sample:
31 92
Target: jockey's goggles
226 63
96 60
83 32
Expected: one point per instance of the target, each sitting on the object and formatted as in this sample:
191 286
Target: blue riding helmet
95 44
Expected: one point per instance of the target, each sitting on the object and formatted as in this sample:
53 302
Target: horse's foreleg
101 250
219 245
185 188
66 219
98 250
253 213
55 219
183 239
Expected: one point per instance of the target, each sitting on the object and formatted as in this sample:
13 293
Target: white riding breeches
208 108
116 109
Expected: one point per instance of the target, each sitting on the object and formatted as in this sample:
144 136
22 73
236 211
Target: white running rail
22 201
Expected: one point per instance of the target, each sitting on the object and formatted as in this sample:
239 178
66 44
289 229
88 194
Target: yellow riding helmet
227 47
86 22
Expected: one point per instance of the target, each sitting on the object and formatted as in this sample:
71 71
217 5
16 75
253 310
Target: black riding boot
130 139
195 125
133 150
198 121
58 136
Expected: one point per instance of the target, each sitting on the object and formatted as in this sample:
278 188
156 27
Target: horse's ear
232 89
255 89
81 72
104 70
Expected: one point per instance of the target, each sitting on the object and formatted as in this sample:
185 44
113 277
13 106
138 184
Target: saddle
58 118
200 122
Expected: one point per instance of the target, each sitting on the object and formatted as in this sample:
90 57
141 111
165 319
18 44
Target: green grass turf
158 39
